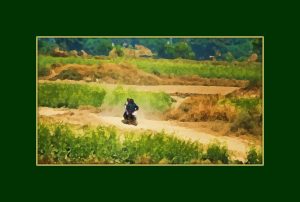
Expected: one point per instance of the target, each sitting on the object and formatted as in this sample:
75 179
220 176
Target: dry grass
202 108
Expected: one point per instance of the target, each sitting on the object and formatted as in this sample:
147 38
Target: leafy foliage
217 152
253 156
97 46
59 143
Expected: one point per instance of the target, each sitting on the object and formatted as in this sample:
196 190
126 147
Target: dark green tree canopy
188 48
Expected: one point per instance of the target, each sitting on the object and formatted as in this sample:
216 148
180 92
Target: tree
257 47
45 45
70 43
184 50
98 46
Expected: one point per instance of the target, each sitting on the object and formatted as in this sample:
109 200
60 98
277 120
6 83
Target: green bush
119 51
254 157
229 57
217 152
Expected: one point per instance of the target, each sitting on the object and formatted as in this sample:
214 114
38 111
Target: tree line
187 48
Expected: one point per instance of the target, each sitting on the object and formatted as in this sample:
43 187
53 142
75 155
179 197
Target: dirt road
237 147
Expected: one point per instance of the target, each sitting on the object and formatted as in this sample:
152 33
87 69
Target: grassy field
62 144
179 67
70 95
73 95
168 67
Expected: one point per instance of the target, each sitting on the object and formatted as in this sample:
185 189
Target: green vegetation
180 67
176 67
249 114
46 63
217 152
196 48
49 60
253 156
177 50
59 143
70 75
244 104
70 95
74 95
119 51
147 100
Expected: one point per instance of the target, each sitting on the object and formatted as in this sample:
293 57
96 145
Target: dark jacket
131 107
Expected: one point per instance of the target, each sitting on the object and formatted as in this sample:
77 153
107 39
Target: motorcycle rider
130 107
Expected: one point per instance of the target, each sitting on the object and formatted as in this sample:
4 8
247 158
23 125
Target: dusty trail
237 147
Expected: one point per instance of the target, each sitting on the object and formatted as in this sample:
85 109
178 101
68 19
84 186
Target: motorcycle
130 119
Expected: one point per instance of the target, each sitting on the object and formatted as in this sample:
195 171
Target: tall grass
69 95
73 95
60 143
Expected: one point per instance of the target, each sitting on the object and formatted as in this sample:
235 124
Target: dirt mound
201 108
128 74
107 73
56 52
142 51
139 51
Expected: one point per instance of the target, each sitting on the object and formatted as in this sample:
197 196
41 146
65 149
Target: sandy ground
238 147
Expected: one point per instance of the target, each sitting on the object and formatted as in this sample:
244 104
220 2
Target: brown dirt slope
128 74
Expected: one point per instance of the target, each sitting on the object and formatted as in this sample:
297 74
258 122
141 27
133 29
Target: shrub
229 57
43 71
217 152
254 157
248 121
119 51
70 75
